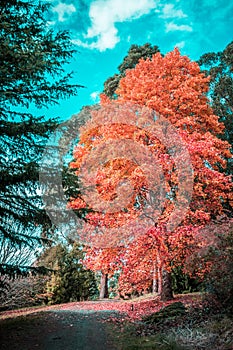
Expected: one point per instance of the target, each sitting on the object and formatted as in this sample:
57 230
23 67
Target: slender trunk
104 286
154 285
166 292
159 273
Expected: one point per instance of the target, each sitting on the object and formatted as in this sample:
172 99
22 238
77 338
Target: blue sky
103 31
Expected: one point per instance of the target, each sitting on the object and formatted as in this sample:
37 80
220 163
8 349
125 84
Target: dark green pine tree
32 73
219 66
135 53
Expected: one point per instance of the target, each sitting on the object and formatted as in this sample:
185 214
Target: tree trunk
104 286
159 274
166 292
154 285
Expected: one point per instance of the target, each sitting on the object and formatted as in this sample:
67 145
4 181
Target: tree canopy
135 53
157 94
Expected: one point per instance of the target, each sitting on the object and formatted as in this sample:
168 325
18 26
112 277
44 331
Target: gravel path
59 330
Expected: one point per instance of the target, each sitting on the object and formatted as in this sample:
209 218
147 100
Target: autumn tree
31 75
135 53
106 261
140 158
174 87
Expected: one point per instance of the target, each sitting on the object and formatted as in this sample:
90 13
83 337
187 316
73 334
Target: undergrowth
196 329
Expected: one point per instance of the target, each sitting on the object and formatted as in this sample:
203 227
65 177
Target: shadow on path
58 330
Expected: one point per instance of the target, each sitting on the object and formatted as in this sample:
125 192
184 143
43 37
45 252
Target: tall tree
31 75
173 88
135 53
219 66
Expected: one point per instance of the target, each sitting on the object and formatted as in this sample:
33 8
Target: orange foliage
112 150
104 260
175 88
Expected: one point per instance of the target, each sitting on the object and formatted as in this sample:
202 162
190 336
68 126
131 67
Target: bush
219 279
183 283
23 292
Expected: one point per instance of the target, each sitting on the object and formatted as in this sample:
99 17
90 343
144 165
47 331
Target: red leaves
130 310
119 180
105 260
171 85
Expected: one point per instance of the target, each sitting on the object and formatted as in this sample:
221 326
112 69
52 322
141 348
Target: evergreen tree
32 57
71 281
219 66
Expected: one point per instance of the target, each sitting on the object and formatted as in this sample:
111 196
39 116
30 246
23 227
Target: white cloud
170 12
95 96
170 27
180 45
104 14
63 11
